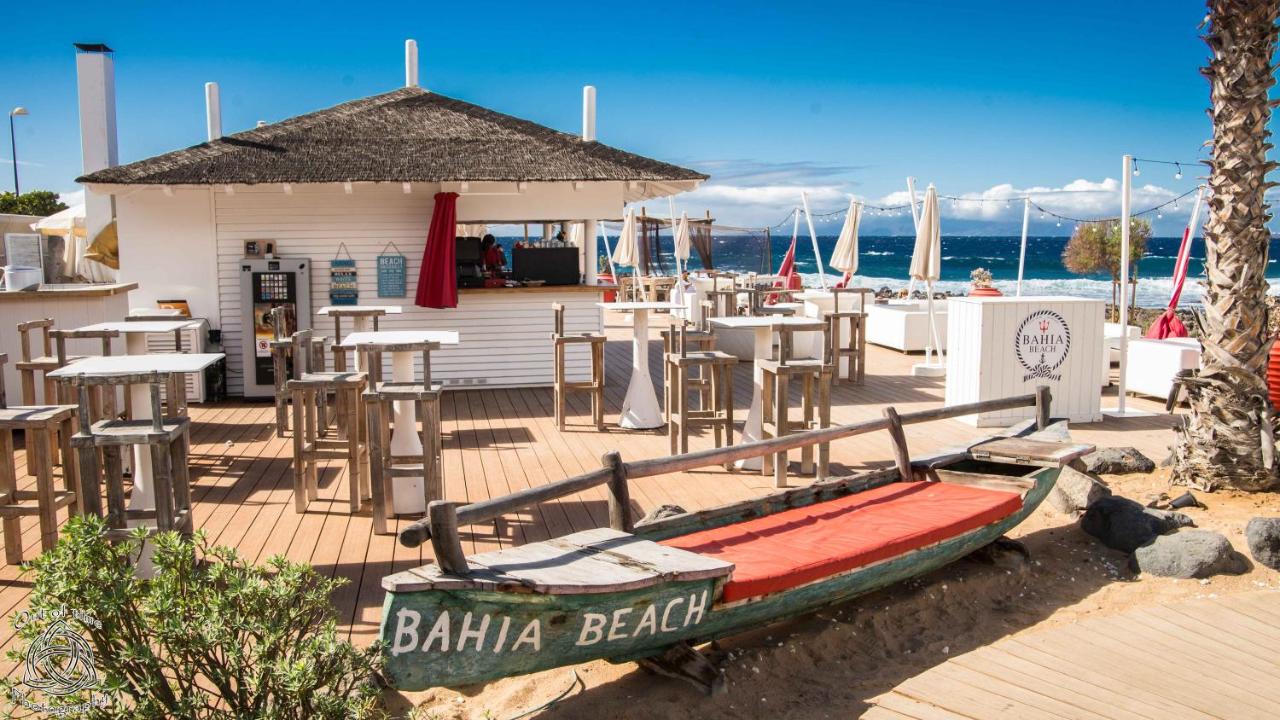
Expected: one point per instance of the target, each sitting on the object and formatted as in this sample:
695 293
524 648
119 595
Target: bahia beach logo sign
1042 343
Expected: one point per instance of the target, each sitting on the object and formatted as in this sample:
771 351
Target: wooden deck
498 441
1217 658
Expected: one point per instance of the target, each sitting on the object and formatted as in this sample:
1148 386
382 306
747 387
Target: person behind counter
491 253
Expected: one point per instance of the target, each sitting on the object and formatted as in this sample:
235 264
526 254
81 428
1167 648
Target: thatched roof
408 135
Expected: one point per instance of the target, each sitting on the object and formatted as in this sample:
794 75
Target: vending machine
266 283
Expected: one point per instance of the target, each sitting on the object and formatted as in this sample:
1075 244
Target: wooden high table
640 409
408 492
143 495
764 326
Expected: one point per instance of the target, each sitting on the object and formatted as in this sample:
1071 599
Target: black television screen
467 250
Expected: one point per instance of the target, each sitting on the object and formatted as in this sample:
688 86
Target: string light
1178 175
1136 171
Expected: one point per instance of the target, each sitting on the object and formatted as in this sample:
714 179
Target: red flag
438 278
787 270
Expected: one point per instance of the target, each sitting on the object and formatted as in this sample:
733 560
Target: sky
991 99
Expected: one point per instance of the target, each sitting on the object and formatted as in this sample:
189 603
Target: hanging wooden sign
343 288
391 273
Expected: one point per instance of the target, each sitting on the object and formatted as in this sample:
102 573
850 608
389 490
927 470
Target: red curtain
438 279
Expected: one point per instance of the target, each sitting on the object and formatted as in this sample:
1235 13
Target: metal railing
444 517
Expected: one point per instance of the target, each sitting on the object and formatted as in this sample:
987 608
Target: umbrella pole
1022 252
671 212
1126 193
915 223
813 237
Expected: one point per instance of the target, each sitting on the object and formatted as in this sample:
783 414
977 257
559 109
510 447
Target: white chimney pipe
96 93
96 90
588 113
411 63
213 110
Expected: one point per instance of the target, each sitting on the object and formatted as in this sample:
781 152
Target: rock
1075 491
1118 461
1263 536
660 512
1189 554
1120 523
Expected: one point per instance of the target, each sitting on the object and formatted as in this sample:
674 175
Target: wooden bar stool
814 376
102 400
379 402
852 345
166 435
282 368
339 353
699 339
561 341
715 410
43 428
44 363
309 443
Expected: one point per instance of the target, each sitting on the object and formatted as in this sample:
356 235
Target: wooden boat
653 591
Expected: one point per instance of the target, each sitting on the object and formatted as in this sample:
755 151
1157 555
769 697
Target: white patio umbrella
926 266
845 255
683 243
626 251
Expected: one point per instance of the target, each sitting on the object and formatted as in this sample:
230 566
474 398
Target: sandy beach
832 663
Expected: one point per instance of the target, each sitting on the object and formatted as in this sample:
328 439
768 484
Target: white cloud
72 197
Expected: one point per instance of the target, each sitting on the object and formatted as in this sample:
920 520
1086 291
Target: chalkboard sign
391 276
343 289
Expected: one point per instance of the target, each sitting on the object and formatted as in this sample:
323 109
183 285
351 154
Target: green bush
208 636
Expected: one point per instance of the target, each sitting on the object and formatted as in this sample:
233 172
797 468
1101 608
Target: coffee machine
470 262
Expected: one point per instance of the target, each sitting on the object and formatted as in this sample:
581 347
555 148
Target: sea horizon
884 261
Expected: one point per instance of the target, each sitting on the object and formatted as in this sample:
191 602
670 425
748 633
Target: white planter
1004 346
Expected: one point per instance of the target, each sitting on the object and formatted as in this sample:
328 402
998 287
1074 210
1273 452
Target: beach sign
343 289
391 274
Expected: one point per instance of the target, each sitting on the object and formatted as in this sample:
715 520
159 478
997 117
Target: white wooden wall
505 338
982 363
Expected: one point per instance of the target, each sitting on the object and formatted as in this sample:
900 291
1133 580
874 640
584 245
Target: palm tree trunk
1228 439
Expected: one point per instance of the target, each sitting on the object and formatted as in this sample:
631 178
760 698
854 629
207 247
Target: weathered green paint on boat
542 631
562 616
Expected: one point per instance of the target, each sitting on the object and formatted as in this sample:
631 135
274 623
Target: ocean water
883 261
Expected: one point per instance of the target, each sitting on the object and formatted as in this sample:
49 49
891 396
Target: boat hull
442 638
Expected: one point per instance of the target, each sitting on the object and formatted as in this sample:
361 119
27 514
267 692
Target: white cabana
926 266
69 225
845 255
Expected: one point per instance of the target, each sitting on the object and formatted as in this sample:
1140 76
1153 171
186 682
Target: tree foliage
209 636
37 202
1095 247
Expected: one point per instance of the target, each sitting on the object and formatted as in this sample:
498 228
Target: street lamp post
13 143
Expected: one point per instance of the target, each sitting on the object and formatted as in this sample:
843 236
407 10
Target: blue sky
843 98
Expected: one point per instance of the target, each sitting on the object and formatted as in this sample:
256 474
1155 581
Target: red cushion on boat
798 546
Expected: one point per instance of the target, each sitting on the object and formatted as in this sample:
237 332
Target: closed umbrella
926 265
683 242
626 251
845 256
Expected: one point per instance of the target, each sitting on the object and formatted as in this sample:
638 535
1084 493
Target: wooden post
443 515
619 493
901 457
1044 399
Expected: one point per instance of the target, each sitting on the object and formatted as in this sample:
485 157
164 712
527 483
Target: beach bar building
362 180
